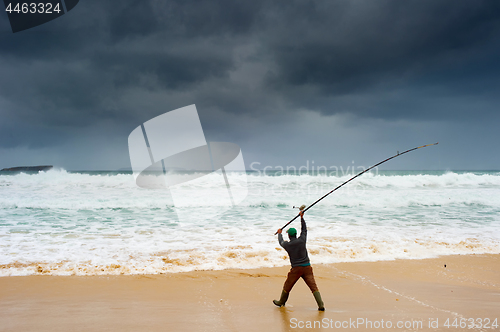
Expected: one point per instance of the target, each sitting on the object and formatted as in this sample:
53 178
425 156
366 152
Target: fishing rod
303 209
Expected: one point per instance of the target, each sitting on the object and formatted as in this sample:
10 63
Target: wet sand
420 293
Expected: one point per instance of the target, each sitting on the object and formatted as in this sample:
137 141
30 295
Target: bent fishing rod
303 209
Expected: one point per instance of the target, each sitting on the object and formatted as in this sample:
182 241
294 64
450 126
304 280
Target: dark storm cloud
127 61
373 38
77 70
334 49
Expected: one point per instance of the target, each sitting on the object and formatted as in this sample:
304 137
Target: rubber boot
319 301
283 298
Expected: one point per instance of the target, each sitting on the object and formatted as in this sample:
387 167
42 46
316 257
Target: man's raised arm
280 237
303 230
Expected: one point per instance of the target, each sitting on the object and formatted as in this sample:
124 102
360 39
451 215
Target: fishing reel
301 208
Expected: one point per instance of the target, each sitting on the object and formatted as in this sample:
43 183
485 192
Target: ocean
101 223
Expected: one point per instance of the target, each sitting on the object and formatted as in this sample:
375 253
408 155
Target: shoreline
48 269
417 290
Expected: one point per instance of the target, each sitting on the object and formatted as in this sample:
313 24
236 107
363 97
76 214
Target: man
301 267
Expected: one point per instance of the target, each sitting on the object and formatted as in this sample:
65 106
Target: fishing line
302 208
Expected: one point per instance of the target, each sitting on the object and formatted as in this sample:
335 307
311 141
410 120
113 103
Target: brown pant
304 272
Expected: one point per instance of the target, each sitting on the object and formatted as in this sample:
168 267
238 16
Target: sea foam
65 223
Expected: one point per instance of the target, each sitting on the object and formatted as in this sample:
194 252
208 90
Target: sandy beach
406 295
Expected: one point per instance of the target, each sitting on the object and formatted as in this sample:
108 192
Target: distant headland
28 168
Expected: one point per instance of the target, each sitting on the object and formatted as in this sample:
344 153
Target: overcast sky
288 81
